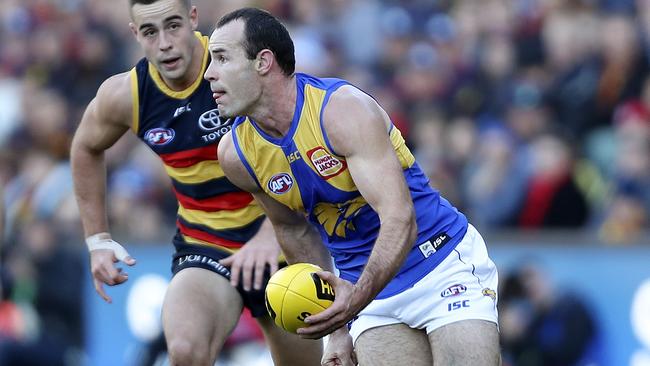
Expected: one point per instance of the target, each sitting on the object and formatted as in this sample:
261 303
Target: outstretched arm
106 119
371 159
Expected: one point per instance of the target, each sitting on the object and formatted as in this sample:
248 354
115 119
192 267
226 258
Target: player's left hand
342 310
251 260
339 350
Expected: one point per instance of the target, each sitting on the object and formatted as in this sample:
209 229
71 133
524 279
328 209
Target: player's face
233 79
165 31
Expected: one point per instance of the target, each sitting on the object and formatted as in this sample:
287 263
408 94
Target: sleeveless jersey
183 128
302 171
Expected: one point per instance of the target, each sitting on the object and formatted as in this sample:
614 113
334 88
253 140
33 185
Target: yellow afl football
296 292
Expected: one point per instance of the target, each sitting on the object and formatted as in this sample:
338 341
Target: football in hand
296 292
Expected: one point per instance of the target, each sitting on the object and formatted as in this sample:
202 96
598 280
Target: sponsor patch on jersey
159 136
453 290
212 121
325 164
280 183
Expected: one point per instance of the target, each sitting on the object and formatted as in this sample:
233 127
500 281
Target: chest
168 125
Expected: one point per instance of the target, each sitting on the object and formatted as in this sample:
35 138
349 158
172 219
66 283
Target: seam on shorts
473 268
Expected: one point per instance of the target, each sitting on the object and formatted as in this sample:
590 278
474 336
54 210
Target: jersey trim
328 94
185 93
242 158
135 98
297 114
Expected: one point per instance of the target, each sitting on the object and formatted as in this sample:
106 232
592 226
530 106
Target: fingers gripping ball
296 292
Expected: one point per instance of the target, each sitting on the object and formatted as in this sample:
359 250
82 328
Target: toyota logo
210 120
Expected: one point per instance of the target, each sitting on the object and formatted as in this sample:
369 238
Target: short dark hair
186 3
264 31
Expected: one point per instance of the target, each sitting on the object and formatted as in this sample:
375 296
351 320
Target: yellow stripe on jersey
404 155
135 98
191 240
197 173
182 94
223 219
308 141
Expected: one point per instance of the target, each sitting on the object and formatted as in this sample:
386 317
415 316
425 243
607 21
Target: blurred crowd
526 114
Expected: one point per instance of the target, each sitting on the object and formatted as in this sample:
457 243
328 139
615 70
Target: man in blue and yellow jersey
415 284
223 238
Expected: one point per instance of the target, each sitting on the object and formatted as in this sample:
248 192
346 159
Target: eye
221 58
174 26
149 32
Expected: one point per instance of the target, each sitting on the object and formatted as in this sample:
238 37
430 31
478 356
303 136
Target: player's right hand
103 268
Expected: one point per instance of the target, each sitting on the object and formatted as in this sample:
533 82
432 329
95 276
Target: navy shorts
200 256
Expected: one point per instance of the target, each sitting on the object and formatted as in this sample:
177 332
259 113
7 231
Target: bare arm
299 240
106 119
358 129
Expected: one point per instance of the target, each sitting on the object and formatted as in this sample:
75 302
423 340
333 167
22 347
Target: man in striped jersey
223 243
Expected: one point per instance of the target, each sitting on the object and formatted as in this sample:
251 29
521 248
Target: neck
193 71
277 104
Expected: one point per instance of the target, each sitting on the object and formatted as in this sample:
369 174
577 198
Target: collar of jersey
182 94
286 139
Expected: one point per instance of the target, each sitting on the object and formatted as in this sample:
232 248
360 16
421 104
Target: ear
134 29
264 61
194 18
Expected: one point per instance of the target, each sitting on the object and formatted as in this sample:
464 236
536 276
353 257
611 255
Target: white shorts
463 286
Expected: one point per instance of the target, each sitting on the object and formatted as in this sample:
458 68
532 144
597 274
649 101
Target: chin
224 112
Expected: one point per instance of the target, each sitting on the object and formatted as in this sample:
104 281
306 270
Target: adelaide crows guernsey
183 128
302 171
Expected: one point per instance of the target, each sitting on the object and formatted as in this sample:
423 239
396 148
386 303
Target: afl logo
210 120
280 183
159 136
454 290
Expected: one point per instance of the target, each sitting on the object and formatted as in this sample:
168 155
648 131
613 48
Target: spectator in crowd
541 325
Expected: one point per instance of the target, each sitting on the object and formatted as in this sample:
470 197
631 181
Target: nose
163 42
211 72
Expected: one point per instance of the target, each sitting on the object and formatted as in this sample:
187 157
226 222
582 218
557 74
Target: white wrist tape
104 241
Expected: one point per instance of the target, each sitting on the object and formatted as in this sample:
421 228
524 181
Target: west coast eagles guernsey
183 128
303 172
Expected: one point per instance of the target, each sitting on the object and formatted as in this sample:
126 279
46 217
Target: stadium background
532 116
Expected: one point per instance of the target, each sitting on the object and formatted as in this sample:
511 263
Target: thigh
288 348
466 342
395 344
200 308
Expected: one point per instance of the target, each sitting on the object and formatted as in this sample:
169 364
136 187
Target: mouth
216 94
170 63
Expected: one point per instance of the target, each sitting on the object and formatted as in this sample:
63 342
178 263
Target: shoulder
232 165
351 114
114 99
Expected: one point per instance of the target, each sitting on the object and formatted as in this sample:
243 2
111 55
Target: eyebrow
214 51
167 20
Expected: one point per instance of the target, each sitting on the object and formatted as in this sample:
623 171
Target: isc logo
280 183
457 305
